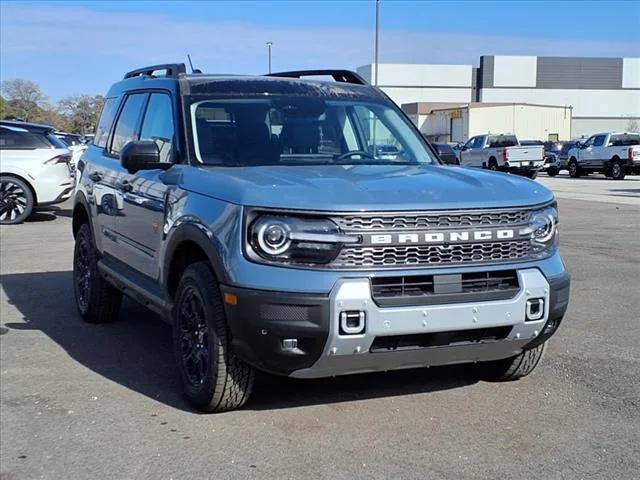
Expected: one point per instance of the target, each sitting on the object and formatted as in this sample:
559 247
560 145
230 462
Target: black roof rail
172 69
341 76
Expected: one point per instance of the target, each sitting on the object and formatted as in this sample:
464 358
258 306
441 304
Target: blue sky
83 47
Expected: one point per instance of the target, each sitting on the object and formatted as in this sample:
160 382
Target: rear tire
16 200
616 169
574 169
213 377
513 368
493 164
97 300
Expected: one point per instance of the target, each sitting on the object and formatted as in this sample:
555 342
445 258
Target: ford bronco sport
257 216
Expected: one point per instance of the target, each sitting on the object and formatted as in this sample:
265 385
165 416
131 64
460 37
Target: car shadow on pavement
137 352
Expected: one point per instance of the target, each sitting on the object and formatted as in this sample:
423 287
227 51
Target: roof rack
172 69
341 76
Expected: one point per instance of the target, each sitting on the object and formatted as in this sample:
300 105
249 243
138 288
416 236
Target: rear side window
624 140
503 141
22 140
106 120
158 124
127 124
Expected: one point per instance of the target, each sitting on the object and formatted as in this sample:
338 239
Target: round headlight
543 225
273 236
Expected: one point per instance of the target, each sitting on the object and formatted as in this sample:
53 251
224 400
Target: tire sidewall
84 235
199 395
29 198
619 174
574 170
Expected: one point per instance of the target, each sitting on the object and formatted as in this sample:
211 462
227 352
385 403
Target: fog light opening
535 309
352 322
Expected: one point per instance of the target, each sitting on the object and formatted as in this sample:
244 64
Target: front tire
616 169
213 377
574 169
553 171
16 200
97 300
513 368
531 174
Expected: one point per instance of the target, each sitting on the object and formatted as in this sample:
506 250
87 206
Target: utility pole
269 45
375 59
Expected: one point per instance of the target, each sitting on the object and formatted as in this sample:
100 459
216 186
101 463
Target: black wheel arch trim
201 236
80 201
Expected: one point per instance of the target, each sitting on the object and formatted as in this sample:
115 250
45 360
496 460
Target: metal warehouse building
603 94
447 123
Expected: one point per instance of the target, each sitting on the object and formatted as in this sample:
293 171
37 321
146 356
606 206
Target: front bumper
444 334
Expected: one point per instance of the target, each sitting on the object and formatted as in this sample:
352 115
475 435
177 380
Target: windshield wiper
353 153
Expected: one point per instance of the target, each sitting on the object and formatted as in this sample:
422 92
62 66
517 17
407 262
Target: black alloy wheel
16 201
194 337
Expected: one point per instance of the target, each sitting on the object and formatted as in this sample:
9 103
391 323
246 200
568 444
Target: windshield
302 131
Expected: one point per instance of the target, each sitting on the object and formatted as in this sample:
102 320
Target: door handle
95 176
126 186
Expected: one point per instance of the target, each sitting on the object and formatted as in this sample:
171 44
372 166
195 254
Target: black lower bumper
559 289
261 320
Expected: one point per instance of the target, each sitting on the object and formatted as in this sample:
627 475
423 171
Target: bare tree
81 111
633 125
24 97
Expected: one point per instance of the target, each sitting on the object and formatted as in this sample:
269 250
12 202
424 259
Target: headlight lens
298 240
543 225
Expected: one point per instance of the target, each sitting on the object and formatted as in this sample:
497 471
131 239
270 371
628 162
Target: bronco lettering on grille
444 238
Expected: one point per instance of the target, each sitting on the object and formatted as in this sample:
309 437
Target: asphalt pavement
103 401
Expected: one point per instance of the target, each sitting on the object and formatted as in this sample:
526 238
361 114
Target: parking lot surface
103 401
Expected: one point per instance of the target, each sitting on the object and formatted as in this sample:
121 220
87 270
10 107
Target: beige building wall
526 121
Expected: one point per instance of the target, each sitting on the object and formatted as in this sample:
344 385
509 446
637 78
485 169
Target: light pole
375 55
269 45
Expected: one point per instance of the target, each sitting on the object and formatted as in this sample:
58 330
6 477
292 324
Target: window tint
503 141
443 148
127 122
286 130
158 124
625 140
589 142
22 140
106 120
599 140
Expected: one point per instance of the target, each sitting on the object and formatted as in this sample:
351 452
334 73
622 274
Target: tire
493 165
513 368
213 377
553 171
574 169
96 300
531 174
616 169
16 200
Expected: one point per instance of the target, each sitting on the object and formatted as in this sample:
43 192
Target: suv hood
365 188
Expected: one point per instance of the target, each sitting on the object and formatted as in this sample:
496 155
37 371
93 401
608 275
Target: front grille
439 289
351 223
429 255
439 339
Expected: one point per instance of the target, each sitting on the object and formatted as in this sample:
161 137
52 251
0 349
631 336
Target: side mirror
141 155
463 148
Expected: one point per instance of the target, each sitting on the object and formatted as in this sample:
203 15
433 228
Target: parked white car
34 170
504 153
614 154
74 143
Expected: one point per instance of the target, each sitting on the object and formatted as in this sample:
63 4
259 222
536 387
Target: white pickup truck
614 154
502 152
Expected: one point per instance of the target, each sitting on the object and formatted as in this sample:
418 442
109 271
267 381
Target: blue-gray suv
268 219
